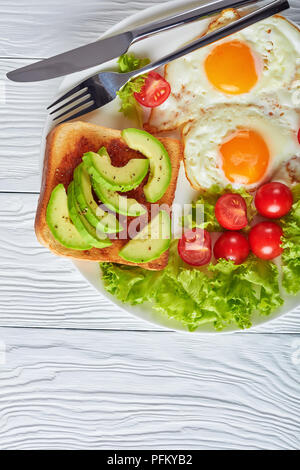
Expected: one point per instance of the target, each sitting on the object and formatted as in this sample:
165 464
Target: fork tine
74 107
66 95
82 112
76 98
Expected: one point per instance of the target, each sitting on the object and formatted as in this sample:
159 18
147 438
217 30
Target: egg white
203 137
289 172
275 46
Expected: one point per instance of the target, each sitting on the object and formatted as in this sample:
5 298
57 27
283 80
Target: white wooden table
76 372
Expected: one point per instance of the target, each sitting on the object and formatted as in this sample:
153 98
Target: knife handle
208 9
260 14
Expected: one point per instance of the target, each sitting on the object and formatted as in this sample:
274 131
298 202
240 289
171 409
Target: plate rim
155 11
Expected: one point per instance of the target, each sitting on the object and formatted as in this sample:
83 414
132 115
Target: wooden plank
124 390
38 29
41 29
38 289
22 119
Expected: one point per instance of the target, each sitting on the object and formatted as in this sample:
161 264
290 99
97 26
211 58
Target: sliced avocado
115 178
58 220
97 217
86 230
117 203
160 164
151 242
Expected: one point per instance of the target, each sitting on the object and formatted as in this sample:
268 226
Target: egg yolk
231 68
245 157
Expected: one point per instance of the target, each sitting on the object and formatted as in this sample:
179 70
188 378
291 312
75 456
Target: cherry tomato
274 200
194 247
265 240
299 136
232 246
231 211
154 92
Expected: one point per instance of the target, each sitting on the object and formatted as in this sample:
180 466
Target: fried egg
259 65
289 172
241 145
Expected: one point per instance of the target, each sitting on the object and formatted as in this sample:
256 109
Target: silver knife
101 51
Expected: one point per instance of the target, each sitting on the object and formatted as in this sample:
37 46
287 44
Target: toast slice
65 147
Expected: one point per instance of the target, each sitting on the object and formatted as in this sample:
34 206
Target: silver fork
102 88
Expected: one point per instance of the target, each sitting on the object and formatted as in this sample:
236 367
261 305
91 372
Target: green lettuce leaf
132 285
129 62
129 105
205 204
221 294
291 245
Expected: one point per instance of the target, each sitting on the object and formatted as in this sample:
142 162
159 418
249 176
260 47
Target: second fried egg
239 145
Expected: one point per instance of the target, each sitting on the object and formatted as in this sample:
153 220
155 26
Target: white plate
154 48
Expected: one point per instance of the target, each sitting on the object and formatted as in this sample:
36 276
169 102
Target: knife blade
102 51
74 60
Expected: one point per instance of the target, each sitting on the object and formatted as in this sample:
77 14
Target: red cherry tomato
154 92
231 211
232 246
194 247
265 240
274 200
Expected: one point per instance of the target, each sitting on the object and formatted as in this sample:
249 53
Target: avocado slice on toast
58 220
117 203
151 242
96 216
89 233
160 164
123 178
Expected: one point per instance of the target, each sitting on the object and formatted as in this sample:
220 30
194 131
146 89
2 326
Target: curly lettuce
291 245
129 106
221 295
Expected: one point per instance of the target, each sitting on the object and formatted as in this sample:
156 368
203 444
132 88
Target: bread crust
64 149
